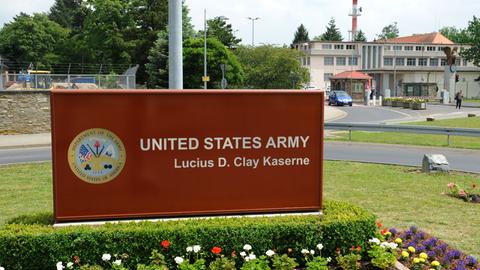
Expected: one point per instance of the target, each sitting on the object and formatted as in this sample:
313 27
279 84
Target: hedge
41 247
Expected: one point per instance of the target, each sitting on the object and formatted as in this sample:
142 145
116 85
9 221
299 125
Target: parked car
339 98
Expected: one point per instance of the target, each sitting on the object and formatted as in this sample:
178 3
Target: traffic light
457 78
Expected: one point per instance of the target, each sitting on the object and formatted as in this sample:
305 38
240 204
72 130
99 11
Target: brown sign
159 153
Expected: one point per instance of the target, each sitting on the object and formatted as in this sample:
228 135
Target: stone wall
24 112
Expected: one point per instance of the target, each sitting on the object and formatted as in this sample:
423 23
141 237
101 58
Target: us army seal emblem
96 156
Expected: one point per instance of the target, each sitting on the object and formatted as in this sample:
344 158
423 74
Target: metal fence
18 81
448 131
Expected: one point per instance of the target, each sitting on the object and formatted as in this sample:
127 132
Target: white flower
179 260
59 266
243 254
252 256
319 246
70 264
189 249
270 253
312 251
106 257
247 247
247 259
117 262
374 240
389 245
304 251
1 268
196 248
329 259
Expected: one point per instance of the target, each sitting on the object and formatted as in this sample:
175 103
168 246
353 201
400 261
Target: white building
407 66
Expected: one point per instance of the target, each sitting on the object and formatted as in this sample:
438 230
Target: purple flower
431 254
393 231
461 265
442 247
414 229
420 236
429 243
420 248
471 261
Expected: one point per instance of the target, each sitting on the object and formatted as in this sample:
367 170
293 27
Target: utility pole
1 73
175 45
253 29
205 80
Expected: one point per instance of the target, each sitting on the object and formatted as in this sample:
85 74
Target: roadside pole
175 45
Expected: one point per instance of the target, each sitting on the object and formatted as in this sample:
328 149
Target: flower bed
469 194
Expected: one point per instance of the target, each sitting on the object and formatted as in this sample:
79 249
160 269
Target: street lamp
205 78
253 28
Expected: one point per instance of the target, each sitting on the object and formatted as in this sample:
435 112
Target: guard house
353 82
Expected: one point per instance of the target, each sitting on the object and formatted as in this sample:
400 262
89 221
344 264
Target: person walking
458 98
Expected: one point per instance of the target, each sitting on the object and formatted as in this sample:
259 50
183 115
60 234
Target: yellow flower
405 254
416 260
435 263
398 240
423 255
431 269
422 260
388 233
411 249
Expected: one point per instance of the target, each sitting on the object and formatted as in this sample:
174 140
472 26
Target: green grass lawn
472 100
399 196
420 139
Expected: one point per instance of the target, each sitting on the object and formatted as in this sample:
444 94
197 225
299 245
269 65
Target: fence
448 131
18 81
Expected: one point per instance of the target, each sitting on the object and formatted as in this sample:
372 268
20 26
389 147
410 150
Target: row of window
338 46
340 61
305 61
414 48
433 62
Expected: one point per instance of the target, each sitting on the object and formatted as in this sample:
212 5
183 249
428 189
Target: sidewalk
44 139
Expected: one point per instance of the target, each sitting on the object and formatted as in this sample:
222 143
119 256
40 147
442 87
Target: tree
217 54
332 33
69 13
301 35
456 35
473 31
360 36
34 39
219 29
269 67
389 31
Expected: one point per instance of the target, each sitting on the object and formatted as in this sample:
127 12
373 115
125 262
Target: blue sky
280 18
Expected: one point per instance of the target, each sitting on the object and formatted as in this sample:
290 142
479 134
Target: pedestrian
458 98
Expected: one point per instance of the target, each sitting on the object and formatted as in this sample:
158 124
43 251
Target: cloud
9 9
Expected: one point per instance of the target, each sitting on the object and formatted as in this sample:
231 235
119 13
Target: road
460 159
364 114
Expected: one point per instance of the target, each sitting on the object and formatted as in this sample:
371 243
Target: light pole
175 47
253 28
205 50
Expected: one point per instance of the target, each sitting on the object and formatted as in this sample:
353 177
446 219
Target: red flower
76 259
352 248
379 225
216 250
234 254
384 231
474 186
359 248
165 244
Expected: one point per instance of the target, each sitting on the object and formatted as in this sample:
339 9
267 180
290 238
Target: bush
41 247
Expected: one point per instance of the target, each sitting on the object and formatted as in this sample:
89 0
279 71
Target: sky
280 18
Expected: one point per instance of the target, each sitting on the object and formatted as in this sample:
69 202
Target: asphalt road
460 159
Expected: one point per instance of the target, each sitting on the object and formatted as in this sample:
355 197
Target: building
404 66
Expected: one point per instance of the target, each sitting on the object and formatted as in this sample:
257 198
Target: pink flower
462 193
451 185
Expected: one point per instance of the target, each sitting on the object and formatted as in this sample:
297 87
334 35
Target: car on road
339 98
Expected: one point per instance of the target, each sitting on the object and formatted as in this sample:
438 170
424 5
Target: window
431 49
350 47
465 62
328 61
397 48
353 61
338 46
308 61
419 48
327 46
341 61
357 87
422 61
440 49
327 76
388 61
444 62
457 62
400 61
411 61
434 62
408 48
387 48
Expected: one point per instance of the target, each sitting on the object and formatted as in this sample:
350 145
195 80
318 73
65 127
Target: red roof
430 38
355 75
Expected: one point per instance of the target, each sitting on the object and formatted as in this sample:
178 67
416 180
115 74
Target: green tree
217 54
301 35
360 36
460 36
332 33
219 29
473 31
34 39
69 13
157 65
389 31
269 67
